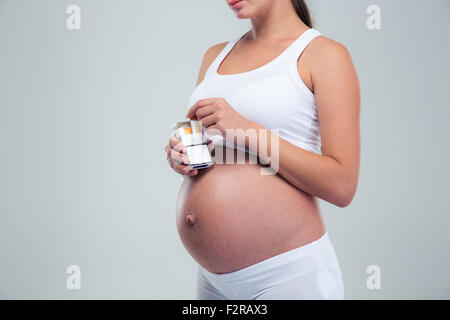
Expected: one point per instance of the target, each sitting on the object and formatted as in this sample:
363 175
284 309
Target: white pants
308 272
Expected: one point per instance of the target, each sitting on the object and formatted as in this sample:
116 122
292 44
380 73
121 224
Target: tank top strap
216 63
299 45
293 52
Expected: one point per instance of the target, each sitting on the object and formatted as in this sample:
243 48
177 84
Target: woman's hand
218 116
178 160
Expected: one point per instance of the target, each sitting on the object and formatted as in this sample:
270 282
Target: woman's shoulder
324 54
322 57
212 52
325 50
208 58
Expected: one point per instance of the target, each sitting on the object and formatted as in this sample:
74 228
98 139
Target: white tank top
272 95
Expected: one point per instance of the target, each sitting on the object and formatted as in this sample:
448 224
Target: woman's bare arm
332 176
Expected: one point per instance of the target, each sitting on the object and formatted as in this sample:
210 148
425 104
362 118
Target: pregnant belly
230 216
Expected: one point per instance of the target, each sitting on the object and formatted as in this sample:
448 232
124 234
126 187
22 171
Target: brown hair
302 11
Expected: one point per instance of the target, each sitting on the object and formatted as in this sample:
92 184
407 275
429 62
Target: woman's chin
242 15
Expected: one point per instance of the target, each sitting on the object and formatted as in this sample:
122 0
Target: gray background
85 115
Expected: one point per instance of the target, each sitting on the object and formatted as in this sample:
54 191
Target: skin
327 70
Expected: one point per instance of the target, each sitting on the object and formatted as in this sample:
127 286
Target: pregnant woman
261 236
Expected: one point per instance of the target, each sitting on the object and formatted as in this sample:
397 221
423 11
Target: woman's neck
280 22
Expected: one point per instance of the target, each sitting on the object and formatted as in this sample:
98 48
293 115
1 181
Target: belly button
190 219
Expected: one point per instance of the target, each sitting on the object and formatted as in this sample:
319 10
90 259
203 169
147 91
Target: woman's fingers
192 173
178 162
214 130
211 146
180 168
184 169
176 151
203 112
199 104
209 120
177 145
178 157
